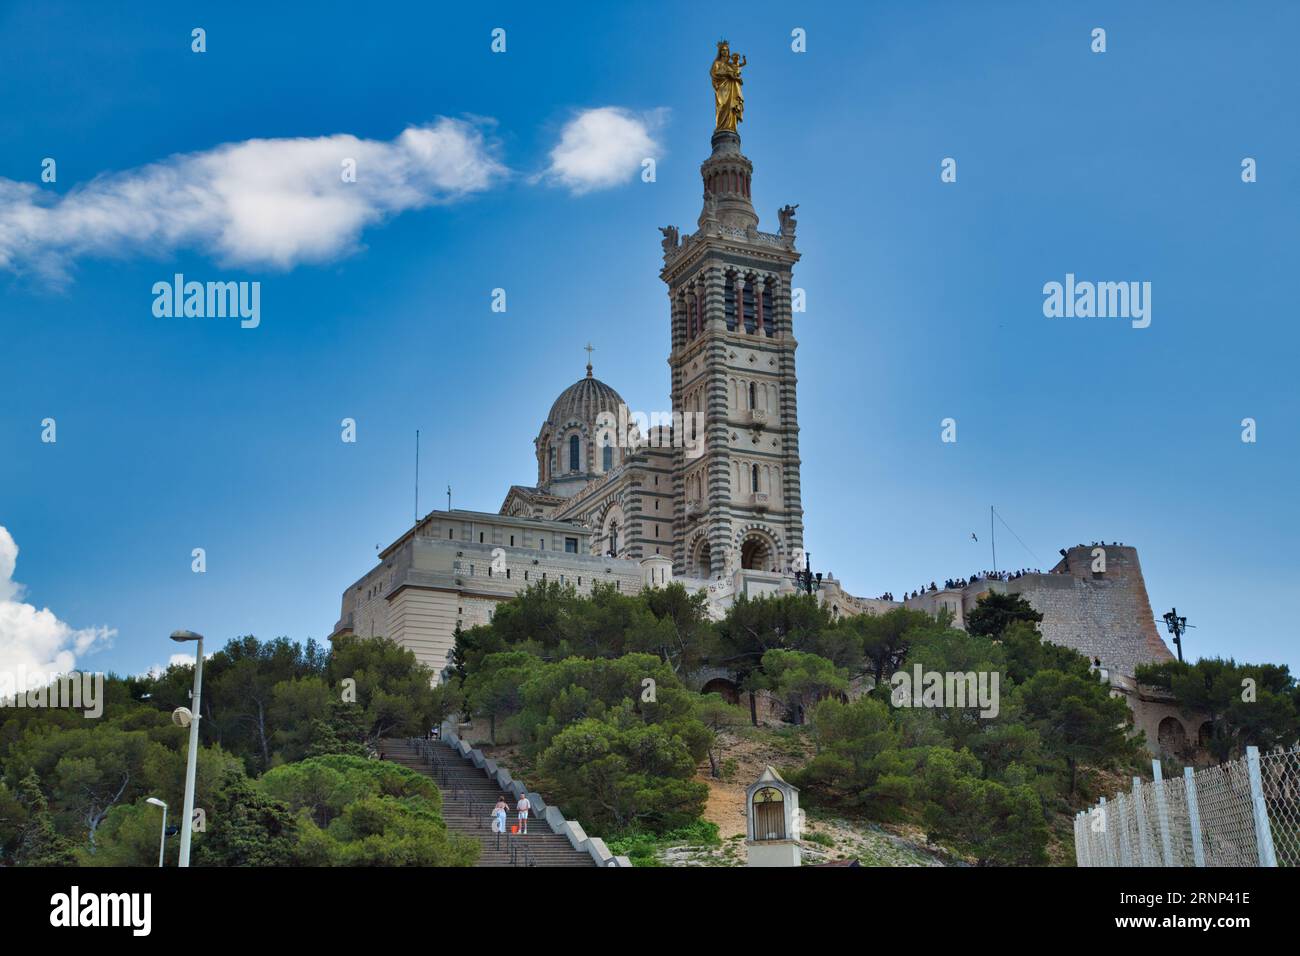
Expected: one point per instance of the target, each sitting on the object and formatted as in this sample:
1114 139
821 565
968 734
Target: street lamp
162 840
1177 626
191 760
805 580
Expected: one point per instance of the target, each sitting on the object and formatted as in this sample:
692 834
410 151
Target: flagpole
993 540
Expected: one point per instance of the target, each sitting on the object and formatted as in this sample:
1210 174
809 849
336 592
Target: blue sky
924 298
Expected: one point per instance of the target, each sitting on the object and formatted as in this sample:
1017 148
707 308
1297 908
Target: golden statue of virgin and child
727 97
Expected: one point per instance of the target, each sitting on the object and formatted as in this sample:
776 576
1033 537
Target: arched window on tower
747 304
752 404
753 477
607 456
729 301
769 323
574 456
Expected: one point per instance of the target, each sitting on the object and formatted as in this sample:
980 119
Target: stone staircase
468 796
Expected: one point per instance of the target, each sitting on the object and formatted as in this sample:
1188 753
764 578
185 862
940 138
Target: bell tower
737 502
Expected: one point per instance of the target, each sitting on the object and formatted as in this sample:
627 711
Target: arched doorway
724 688
1171 736
701 563
756 555
609 531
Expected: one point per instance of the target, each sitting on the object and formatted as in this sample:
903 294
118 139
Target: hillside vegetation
590 700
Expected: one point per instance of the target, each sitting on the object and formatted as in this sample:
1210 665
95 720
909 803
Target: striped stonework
739 505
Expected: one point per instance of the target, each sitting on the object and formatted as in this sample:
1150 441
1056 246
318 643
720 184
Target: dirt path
745 755
827 837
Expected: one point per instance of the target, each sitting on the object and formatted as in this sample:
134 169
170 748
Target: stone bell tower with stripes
737 503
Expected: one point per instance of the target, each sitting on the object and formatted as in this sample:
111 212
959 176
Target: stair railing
520 853
482 811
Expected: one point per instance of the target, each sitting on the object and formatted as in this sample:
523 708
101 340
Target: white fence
1243 813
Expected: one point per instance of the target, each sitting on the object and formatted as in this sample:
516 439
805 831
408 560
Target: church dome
583 401
576 444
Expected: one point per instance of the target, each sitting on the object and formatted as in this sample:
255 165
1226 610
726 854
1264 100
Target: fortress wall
842 604
1106 615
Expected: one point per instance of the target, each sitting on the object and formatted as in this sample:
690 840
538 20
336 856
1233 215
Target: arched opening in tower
755 555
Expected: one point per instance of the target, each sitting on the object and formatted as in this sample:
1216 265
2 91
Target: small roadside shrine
772 809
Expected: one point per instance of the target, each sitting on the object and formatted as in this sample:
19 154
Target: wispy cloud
35 641
604 147
261 202
176 660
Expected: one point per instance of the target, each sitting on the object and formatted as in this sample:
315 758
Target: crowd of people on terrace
957 584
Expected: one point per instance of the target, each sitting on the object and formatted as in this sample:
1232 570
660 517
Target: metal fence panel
1242 813
1227 815
1280 776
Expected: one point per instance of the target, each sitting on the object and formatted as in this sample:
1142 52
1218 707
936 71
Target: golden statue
728 100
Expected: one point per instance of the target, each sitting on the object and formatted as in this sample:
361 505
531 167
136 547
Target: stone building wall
365 607
427 585
423 622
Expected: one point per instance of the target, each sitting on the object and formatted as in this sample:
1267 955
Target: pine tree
246 828
38 843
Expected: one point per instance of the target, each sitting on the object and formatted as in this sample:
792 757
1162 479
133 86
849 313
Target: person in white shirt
523 806
499 819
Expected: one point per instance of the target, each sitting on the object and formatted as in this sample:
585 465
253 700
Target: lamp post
805 580
191 760
162 840
1177 625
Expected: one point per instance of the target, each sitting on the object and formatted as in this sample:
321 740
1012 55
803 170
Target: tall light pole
1177 626
805 580
191 760
162 840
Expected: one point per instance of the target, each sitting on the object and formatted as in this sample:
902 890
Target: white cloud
176 660
36 642
261 202
604 147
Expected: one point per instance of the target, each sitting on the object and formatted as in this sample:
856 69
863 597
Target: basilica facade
706 494
716 487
